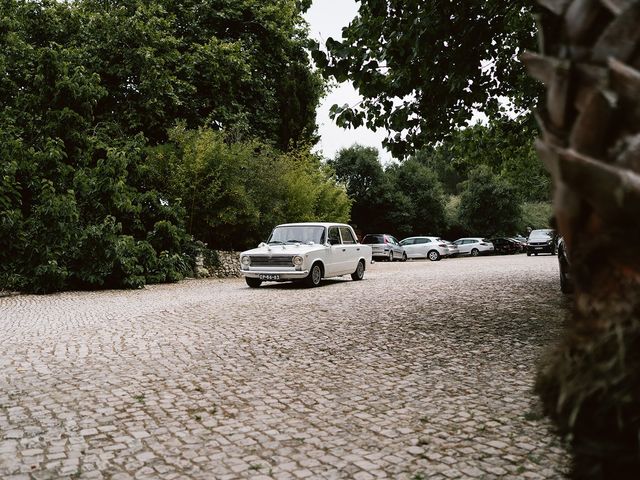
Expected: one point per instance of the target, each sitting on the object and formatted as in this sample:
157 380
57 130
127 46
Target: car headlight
297 260
245 261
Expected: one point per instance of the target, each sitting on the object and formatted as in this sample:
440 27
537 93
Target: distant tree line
483 180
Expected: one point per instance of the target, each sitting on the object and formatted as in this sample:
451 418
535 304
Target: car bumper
540 249
380 252
281 274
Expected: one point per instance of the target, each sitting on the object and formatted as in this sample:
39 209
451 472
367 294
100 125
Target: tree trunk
590 142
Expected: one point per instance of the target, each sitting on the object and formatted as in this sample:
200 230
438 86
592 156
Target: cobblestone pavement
422 370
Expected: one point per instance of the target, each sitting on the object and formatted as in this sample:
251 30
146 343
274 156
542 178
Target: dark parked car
566 284
504 246
541 241
521 241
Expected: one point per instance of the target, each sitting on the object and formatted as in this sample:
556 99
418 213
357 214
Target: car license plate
538 248
269 277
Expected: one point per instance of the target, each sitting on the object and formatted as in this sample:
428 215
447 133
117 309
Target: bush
234 192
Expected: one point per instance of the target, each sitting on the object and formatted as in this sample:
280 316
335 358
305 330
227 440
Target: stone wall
229 265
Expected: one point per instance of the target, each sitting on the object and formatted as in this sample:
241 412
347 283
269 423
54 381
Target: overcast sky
326 19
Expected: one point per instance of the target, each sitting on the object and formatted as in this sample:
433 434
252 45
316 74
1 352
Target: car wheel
565 284
253 282
315 276
391 256
433 255
404 257
359 273
528 254
475 252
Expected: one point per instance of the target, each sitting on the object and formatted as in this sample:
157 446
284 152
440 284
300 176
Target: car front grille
272 261
538 244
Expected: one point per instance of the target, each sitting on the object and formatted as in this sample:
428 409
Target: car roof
420 236
313 224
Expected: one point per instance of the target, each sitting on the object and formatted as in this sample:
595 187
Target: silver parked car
385 246
474 246
454 251
425 247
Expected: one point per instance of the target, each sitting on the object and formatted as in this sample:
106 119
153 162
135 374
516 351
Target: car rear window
370 239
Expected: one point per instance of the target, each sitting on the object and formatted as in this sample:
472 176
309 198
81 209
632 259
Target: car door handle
344 249
358 249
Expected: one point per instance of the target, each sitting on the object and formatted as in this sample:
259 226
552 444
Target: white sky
326 19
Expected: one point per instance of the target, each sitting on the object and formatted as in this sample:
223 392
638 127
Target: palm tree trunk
590 142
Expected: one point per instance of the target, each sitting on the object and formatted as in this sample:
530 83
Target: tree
503 145
402 199
359 169
590 137
489 205
423 68
206 65
421 206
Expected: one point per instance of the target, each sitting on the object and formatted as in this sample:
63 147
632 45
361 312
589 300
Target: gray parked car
385 246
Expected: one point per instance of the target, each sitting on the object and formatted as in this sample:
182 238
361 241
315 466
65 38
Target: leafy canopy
423 68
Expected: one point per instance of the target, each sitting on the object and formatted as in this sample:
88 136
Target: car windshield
372 239
297 234
545 232
541 234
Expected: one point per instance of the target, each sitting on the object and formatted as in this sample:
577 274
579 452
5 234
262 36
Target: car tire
404 257
528 254
359 273
475 252
315 276
565 284
390 256
253 282
433 255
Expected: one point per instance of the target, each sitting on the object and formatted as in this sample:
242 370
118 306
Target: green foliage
89 87
489 205
235 192
423 68
208 65
505 146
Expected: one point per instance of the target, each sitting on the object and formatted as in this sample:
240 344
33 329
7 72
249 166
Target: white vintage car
307 252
